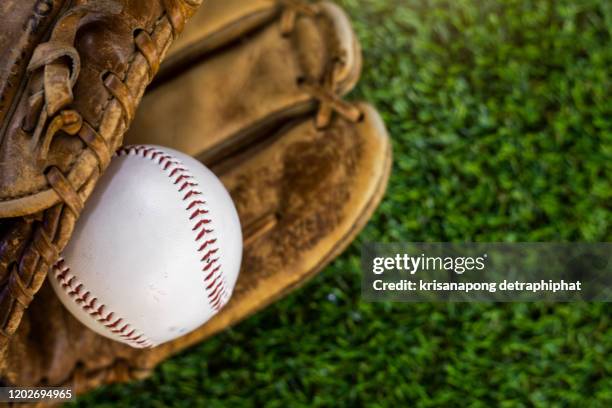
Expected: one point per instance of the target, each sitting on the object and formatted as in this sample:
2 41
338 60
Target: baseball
157 251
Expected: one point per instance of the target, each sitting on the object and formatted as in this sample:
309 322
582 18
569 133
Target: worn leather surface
71 75
220 24
23 25
73 79
305 168
259 80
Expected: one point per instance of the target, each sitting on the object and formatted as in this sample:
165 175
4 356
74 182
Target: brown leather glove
71 75
253 89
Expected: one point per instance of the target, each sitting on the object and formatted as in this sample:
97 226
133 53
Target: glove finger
247 88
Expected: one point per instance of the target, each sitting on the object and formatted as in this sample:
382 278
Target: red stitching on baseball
215 280
200 223
206 243
191 193
187 184
216 290
61 271
176 170
211 274
181 178
197 213
209 254
209 265
194 203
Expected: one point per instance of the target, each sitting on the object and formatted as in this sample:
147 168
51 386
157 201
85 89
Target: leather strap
122 93
18 289
42 244
145 45
67 120
64 189
97 144
176 15
329 101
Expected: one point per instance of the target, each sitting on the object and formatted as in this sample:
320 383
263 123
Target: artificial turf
501 119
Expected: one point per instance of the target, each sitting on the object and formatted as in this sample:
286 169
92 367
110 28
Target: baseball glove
71 75
254 90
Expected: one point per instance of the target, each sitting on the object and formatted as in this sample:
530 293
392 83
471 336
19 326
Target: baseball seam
92 306
197 214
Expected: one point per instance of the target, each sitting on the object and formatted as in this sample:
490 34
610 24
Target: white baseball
157 251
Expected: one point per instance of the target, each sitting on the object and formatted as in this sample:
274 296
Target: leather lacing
54 69
325 91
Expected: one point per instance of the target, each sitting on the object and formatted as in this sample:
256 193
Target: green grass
500 113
